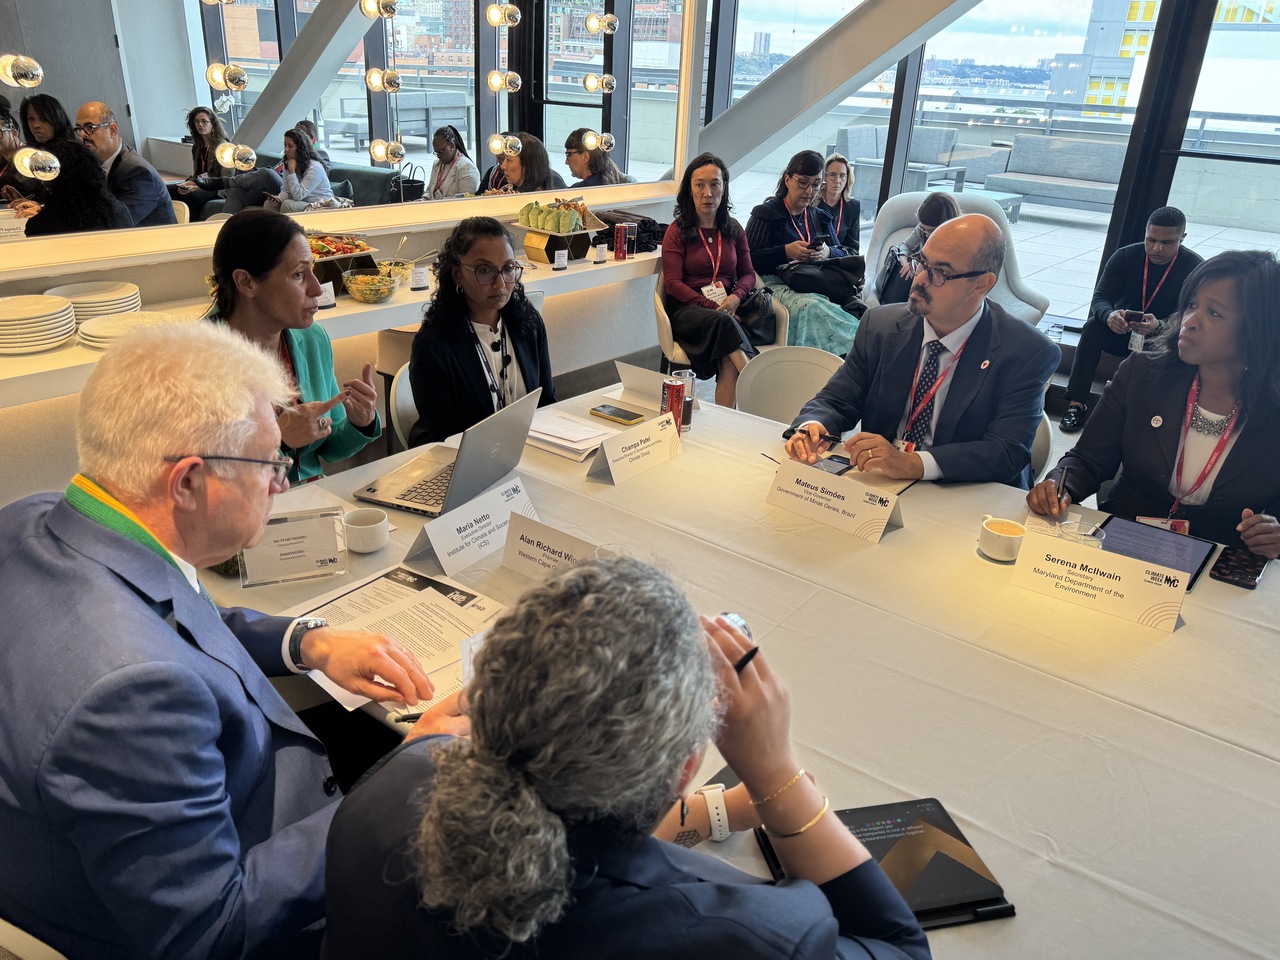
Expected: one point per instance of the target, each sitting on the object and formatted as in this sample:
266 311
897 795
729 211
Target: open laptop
488 452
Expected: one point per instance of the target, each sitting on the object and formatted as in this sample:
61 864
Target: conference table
1121 782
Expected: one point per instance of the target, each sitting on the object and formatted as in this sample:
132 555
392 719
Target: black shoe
212 184
1073 419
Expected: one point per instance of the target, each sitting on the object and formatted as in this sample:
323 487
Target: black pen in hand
746 658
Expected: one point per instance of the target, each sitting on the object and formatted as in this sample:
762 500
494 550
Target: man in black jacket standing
1142 278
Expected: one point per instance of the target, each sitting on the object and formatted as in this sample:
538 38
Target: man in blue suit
157 796
132 180
947 386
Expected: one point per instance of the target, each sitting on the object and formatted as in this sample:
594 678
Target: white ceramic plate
95 291
115 326
32 307
35 348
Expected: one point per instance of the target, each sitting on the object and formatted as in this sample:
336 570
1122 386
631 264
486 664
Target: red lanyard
932 391
1193 397
804 220
444 172
1146 262
839 219
715 260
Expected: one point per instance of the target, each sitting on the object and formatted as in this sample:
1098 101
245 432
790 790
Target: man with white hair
157 796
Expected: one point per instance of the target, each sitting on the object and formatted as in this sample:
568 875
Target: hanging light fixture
227 76
40 164
378 150
500 81
243 158
509 145
17 70
373 9
590 140
225 154
599 83
502 15
382 80
395 152
602 23
606 142
214 3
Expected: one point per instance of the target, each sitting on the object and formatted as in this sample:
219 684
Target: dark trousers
195 200
1094 339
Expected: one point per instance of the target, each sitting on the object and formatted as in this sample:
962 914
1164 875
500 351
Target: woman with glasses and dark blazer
482 345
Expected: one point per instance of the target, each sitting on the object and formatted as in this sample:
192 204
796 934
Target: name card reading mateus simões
838 501
634 451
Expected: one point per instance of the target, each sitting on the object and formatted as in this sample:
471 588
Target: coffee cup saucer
1003 563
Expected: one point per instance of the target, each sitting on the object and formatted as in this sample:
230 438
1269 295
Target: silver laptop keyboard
430 491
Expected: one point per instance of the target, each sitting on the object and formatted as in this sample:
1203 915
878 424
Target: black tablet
1179 551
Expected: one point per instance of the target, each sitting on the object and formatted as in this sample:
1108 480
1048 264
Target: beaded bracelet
826 805
785 787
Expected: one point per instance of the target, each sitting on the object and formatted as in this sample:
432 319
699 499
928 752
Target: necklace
1210 426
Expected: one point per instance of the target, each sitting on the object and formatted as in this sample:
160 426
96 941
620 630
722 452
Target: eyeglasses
487 275
86 129
574 153
936 277
202 121
279 465
807 183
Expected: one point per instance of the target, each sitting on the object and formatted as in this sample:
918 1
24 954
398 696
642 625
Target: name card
469 533
296 546
536 550
326 298
634 451
1136 590
840 502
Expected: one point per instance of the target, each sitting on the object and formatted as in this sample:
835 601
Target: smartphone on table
607 411
1239 567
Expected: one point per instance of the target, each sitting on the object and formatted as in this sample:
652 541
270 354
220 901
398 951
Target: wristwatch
717 812
300 627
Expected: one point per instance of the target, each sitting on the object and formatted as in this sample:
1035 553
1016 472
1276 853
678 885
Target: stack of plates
99 298
32 324
101 332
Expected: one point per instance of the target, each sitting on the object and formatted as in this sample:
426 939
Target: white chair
404 412
1041 447
778 383
214 218
20 944
181 211
673 355
897 218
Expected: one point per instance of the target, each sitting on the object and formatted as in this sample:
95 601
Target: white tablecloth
1122 783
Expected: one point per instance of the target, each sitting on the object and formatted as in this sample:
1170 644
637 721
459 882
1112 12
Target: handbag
891 286
406 186
839 279
756 316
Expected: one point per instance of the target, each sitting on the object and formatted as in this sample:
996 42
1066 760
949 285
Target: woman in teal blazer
265 290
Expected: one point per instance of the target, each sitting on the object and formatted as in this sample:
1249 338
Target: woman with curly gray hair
591 703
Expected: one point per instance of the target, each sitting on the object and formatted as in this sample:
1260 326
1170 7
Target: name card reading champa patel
1137 590
469 533
840 502
634 451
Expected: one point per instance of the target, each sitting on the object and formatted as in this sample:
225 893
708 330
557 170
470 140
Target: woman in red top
707 273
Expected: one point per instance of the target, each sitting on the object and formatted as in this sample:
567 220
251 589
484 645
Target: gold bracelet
776 794
826 805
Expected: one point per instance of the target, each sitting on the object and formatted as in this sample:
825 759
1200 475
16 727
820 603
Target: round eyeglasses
486 275
936 277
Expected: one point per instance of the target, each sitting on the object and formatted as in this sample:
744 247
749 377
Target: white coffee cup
1000 539
367 529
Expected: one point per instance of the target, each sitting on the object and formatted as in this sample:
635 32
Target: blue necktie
919 429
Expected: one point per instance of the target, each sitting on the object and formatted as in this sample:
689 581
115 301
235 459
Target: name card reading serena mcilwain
840 502
1146 593
634 451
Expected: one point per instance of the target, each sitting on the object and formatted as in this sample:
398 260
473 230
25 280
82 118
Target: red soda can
620 241
673 399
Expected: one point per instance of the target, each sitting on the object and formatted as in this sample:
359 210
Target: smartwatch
300 627
717 812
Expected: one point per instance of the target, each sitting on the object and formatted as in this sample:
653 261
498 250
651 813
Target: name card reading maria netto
469 533
839 502
634 451
1136 590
